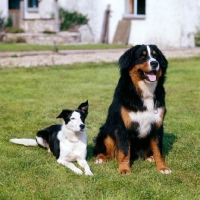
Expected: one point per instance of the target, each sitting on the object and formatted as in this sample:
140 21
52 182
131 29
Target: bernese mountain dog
134 124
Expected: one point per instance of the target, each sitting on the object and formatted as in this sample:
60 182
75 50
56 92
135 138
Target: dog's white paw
98 161
78 171
49 150
150 159
166 171
89 173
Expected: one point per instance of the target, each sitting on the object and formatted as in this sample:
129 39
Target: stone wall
39 25
64 38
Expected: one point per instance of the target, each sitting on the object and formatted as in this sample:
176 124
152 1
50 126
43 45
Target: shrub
14 29
20 40
9 22
197 39
9 41
48 32
71 19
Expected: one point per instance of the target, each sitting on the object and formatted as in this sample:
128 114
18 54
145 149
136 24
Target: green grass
31 98
31 47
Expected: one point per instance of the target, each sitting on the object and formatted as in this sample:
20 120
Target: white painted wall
45 10
94 11
4 8
170 24
167 24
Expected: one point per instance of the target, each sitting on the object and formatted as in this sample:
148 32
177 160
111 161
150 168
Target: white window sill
32 9
132 16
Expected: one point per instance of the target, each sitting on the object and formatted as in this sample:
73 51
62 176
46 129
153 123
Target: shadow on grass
90 154
168 141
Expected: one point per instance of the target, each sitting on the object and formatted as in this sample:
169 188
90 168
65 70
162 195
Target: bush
9 22
197 39
71 19
14 29
48 32
20 40
15 40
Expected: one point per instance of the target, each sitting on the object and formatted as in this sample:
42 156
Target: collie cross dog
68 142
134 124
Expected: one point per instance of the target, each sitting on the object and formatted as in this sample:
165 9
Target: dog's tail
24 141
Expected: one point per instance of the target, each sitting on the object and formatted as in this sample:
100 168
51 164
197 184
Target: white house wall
190 23
45 10
4 8
170 23
161 26
94 11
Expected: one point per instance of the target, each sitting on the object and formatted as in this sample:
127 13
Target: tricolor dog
68 142
135 117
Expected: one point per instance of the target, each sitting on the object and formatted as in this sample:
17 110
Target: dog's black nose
82 126
154 64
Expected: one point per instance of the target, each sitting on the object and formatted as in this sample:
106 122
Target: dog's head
143 63
75 119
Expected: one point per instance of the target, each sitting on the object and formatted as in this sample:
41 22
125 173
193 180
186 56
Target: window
13 4
32 5
135 9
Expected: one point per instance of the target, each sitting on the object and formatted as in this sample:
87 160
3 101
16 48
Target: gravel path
49 58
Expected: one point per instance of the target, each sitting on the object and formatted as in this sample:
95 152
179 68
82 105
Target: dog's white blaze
151 58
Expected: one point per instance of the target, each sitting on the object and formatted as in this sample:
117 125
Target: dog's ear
127 60
64 113
163 62
84 107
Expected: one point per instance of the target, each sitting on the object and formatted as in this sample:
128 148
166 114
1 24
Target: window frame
31 9
134 15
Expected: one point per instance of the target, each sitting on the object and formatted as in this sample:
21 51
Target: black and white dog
68 142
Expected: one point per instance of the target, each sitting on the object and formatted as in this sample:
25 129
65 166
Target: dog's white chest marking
146 118
71 146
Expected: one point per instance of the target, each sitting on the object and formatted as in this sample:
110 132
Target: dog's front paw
100 159
78 171
165 171
124 169
89 173
150 159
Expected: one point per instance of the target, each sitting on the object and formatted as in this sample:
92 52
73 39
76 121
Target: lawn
31 98
31 47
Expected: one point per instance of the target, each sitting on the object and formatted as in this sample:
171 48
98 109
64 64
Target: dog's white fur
73 147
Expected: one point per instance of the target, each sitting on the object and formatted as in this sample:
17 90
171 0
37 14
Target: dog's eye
72 118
